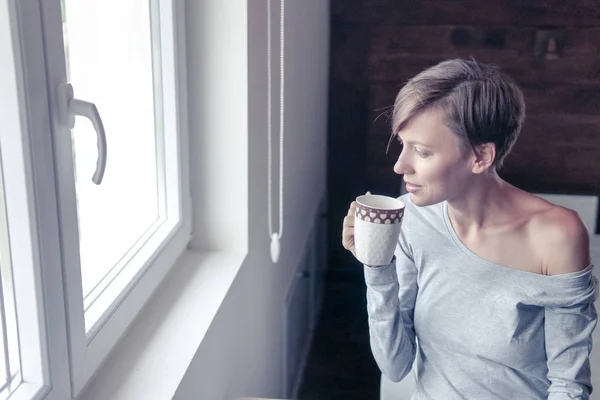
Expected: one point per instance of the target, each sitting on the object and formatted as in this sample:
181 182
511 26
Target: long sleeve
391 295
568 334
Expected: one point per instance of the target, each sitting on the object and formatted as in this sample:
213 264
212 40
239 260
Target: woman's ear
485 154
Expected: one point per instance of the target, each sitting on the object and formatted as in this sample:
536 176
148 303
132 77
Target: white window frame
27 174
48 141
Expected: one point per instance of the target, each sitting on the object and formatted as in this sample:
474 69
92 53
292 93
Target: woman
494 284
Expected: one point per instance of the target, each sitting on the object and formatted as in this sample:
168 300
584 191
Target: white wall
217 53
242 352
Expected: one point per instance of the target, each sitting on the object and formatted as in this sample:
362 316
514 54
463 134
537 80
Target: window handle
68 108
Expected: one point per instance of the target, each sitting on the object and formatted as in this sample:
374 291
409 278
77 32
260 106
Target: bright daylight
299 199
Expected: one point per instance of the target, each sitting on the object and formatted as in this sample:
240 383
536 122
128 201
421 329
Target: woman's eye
422 154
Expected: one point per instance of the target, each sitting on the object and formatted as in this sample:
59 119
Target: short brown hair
482 105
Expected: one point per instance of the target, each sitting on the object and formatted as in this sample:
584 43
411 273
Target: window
93 147
114 68
10 371
33 342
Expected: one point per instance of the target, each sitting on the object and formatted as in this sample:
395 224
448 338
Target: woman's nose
402 167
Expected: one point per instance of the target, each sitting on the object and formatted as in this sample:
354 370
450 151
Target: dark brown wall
377 45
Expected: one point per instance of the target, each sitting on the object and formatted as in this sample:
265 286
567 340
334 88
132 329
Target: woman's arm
568 332
391 295
569 325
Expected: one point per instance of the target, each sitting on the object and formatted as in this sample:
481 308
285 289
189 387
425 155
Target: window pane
111 57
10 366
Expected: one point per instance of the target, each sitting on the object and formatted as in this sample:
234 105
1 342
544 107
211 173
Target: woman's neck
484 204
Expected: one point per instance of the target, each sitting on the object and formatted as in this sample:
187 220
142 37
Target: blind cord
275 236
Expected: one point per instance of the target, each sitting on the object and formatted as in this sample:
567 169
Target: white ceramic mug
377 224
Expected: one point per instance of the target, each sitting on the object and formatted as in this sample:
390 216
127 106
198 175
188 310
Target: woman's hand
348 229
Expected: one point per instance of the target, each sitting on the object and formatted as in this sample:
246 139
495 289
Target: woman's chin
419 200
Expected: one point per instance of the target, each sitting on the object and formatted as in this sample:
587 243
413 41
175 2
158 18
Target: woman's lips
411 188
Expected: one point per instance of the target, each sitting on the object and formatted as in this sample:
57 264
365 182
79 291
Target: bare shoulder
561 239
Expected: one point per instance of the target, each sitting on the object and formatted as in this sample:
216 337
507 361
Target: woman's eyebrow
416 142
408 141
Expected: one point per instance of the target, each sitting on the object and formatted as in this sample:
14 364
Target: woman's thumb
368 192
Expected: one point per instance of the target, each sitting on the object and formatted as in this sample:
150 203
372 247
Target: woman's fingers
352 208
348 237
348 221
348 243
348 232
348 229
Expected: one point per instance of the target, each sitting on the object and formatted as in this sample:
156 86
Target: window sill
155 353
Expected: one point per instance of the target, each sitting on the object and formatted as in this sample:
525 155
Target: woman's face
434 167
